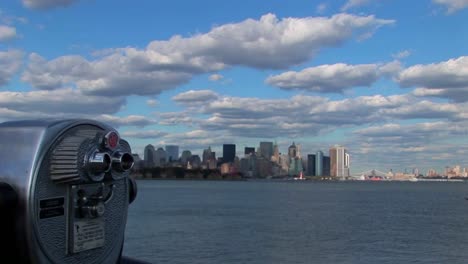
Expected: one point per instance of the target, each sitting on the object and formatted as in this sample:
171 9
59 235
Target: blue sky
387 79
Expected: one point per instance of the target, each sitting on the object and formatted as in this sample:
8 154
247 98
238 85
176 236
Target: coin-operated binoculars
64 192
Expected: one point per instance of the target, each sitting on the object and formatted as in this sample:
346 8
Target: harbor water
298 222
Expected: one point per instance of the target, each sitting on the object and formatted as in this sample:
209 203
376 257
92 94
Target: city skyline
320 162
386 79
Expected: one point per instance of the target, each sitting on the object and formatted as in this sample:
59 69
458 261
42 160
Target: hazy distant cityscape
266 161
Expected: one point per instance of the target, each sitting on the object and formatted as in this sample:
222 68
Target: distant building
284 163
311 165
246 168
295 166
249 151
319 163
172 153
229 152
149 156
160 157
339 162
207 156
292 151
266 150
432 173
263 167
195 161
276 154
185 157
326 166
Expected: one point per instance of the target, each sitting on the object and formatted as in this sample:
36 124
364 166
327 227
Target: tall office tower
229 152
172 152
311 165
292 151
298 151
266 150
276 154
319 163
195 161
339 162
149 156
347 164
249 151
160 157
186 155
326 166
206 155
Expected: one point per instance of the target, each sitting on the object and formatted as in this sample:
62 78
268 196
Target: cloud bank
47 4
267 43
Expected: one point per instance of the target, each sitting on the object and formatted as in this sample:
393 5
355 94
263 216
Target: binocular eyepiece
64 191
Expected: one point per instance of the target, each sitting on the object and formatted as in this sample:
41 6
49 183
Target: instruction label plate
88 234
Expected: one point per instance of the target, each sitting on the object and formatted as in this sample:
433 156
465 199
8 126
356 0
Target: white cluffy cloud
457 95
145 134
375 145
448 74
114 75
10 62
7 33
152 102
452 5
47 4
63 101
267 43
193 96
306 115
447 79
216 77
320 9
175 118
353 3
131 120
334 78
402 54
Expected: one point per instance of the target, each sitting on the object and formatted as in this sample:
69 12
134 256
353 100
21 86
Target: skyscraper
185 157
311 165
266 150
172 152
319 163
295 166
326 166
249 151
276 154
229 152
292 151
206 156
339 162
149 156
160 157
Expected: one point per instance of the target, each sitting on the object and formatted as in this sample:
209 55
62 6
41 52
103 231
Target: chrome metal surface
26 148
98 163
122 161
